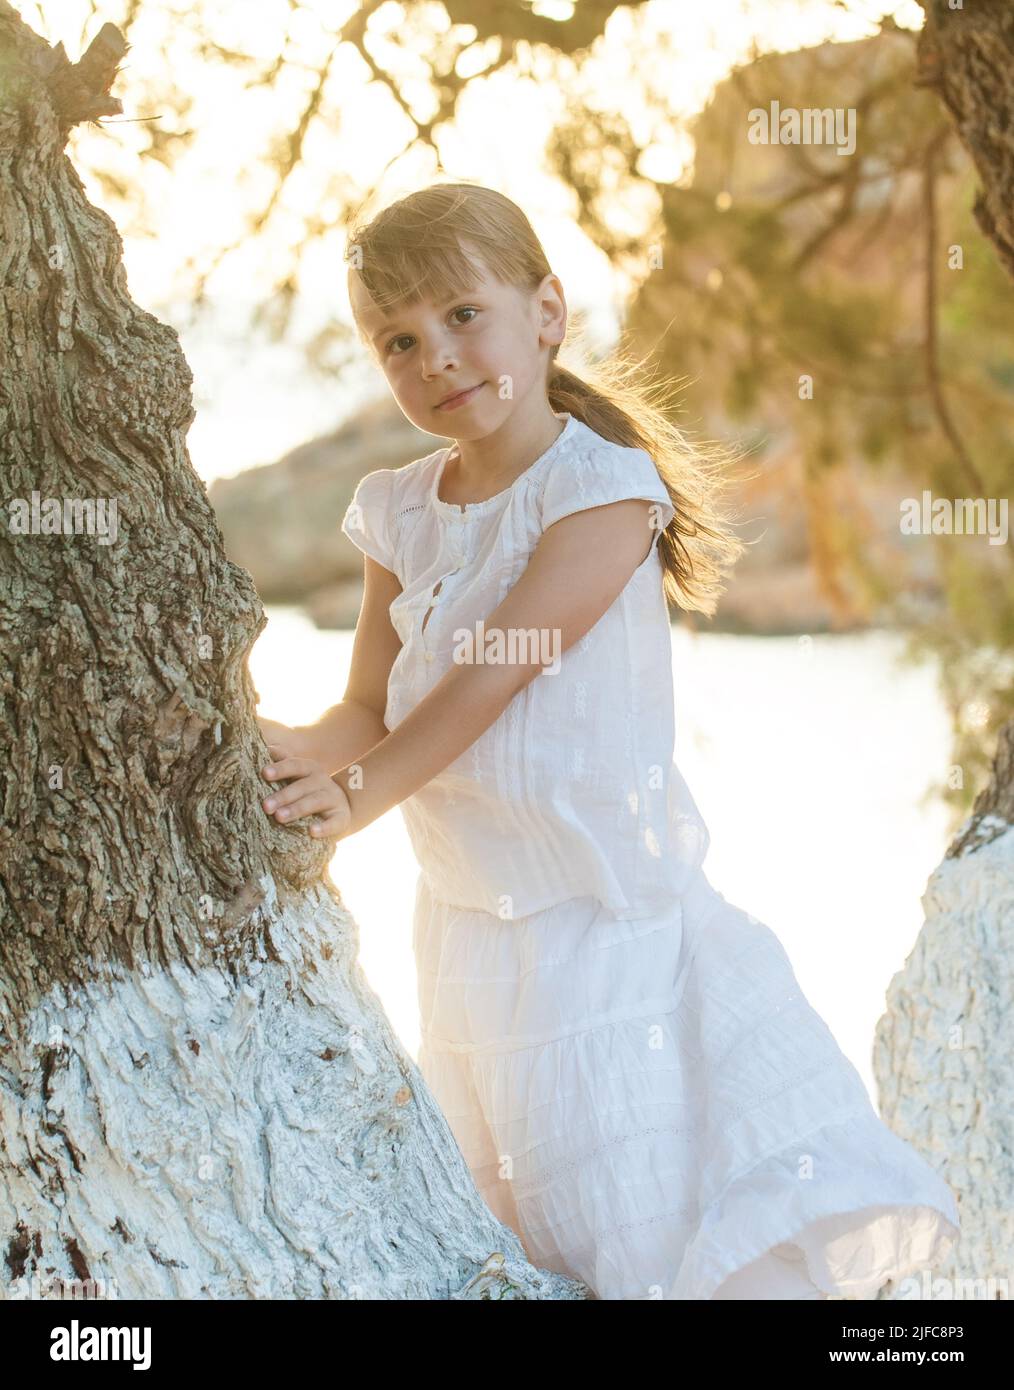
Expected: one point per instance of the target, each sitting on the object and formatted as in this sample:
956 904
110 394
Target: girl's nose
437 360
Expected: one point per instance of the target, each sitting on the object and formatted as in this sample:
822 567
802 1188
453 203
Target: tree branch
930 340
80 91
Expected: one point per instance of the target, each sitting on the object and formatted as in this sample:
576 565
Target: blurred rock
281 521
335 605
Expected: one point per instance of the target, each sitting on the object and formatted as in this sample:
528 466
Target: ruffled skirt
656 1109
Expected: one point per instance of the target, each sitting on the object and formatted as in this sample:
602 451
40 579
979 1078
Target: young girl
625 1059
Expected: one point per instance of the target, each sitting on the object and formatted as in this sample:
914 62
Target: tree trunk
200 1095
948 1034
967 56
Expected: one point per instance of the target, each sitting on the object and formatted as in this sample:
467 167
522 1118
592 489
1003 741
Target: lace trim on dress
661 1008
784 1083
690 1210
525 1187
846 1115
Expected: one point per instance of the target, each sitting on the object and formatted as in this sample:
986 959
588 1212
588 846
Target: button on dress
634 1077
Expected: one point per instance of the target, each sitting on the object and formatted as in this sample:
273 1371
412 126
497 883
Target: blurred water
809 759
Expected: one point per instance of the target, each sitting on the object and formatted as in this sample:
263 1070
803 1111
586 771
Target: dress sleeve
599 476
368 522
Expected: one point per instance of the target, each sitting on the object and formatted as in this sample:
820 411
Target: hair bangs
405 273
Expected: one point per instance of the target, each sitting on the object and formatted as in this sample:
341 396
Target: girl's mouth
461 398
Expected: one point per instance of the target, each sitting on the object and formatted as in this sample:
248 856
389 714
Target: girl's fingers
282 797
287 767
287 796
305 805
333 826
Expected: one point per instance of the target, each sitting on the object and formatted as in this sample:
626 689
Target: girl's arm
280 733
343 733
577 571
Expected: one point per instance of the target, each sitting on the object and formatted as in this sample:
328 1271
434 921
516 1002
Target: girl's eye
461 309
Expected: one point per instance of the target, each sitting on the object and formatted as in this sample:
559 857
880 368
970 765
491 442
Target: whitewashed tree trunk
200 1096
948 1037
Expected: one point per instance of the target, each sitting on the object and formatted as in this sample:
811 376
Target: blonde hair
414 249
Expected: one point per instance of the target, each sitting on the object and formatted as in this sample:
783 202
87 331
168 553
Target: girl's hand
313 790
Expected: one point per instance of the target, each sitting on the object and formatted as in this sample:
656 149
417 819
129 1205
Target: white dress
625 1059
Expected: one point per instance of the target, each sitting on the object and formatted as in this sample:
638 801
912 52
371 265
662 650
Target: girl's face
491 343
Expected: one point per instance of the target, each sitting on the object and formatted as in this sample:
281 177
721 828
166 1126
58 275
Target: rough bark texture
967 56
131 793
948 1034
199 1094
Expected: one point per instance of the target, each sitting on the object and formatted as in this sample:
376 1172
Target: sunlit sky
656 64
